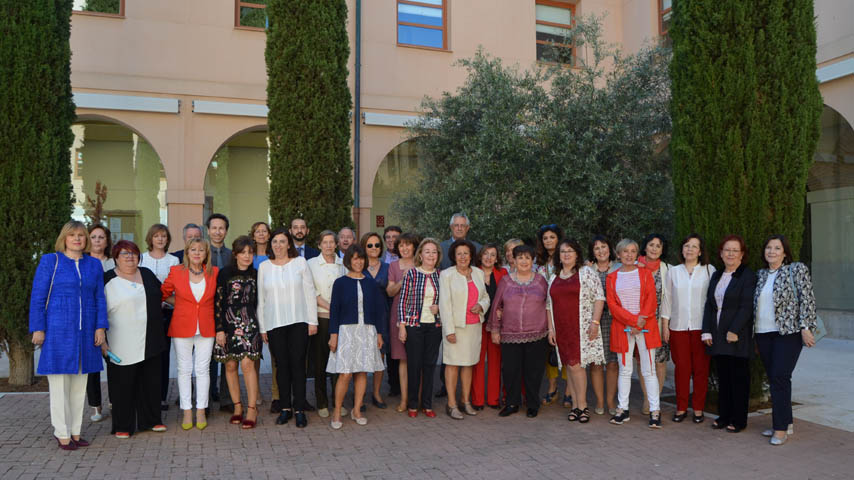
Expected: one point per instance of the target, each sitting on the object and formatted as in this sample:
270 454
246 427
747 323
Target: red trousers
689 356
492 370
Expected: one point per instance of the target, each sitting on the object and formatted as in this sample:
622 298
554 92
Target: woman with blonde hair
68 319
191 288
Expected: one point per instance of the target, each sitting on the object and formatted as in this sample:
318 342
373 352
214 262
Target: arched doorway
117 179
830 222
397 173
236 182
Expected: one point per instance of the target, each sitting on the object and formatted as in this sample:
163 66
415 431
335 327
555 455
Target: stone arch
394 173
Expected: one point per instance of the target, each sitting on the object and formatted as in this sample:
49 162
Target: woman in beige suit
462 301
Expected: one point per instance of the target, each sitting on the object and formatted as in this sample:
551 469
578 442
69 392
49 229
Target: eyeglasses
732 251
127 254
373 245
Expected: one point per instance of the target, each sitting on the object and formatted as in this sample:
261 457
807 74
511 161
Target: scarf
651 265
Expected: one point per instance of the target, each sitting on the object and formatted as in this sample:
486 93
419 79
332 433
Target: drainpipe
357 113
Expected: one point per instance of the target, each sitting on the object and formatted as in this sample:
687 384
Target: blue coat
77 307
344 307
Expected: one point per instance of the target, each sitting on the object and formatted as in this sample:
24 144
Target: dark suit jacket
310 252
736 314
180 255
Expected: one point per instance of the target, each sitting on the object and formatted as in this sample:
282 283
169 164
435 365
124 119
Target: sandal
236 419
717 425
247 424
567 401
584 417
549 398
574 415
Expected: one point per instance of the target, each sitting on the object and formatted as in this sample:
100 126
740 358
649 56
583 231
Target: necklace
195 272
568 275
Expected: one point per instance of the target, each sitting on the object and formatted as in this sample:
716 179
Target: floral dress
605 321
662 353
236 314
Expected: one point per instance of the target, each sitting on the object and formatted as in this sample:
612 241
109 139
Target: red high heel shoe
247 424
236 419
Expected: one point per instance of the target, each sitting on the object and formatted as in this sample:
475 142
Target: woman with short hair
191 287
420 327
509 262
357 319
287 315
728 332
784 305
519 323
100 247
575 303
630 292
462 301
682 316
160 261
68 317
135 342
405 248
375 268
238 338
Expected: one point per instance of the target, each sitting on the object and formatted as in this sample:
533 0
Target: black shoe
275 406
495 407
164 406
620 417
678 417
207 411
301 419
655 420
309 407
532 412
378 404
719 424
508 410
443 392
477 407
284 417
699 418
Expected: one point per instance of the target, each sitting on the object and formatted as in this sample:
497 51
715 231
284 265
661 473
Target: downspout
357 112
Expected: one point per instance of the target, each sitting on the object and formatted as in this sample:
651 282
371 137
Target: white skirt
466 352
357 350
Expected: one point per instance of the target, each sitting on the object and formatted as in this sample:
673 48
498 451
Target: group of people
406 304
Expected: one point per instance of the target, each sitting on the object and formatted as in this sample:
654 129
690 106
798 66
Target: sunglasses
373 245
548 227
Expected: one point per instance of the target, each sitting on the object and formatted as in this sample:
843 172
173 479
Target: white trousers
67 394
187 365
624 385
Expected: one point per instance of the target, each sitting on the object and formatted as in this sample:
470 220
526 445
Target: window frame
443 28
250 4
565 5
121 13
661 13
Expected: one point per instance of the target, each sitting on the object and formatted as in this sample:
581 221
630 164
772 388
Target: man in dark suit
191 230
299 230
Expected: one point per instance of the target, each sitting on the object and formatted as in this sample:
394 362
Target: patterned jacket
412 296
794 310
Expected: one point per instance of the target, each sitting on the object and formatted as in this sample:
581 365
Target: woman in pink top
519 323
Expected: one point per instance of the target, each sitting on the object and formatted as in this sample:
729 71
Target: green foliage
103 6
310 168
746 110
580 147
37 112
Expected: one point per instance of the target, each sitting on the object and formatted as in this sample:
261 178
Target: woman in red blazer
191 287
631 300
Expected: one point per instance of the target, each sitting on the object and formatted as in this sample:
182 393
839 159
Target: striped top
628 290
412 295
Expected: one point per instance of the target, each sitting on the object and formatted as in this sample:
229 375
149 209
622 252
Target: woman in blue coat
68 317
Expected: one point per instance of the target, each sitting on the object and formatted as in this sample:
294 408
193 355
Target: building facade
172 118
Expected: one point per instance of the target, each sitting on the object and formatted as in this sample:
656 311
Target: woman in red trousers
489 365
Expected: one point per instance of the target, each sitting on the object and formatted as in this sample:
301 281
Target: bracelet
595 322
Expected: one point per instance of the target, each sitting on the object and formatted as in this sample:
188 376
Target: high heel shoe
236 419
247 424
68 446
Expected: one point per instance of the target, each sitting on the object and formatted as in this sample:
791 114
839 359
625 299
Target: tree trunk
20 364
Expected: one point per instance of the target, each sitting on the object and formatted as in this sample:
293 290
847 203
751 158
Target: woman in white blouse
135 340
159 261
682 316
287 315
325 269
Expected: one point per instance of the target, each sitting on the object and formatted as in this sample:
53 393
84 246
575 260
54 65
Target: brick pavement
394 446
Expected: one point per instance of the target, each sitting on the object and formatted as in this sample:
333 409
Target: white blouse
159 266
286 294
324 275
128 317
687 297
765 321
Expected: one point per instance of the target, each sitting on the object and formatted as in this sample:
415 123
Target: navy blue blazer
310 252
344 307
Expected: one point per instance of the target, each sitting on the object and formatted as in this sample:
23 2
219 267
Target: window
554 19
422 23
251 15
106 8
665 12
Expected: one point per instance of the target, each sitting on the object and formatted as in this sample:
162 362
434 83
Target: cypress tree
37 112
745 109
309 123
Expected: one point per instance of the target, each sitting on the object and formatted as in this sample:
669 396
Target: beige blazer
453 297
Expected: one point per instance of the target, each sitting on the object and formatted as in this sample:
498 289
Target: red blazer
188 312
622 317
